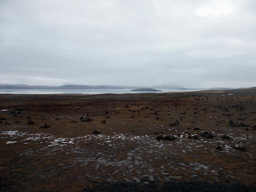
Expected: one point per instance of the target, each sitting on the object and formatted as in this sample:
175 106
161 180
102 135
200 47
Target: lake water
82 91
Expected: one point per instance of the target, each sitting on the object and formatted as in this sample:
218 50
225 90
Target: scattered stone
219 147
96 132
207 135
30 122
86 119
239 147
136 179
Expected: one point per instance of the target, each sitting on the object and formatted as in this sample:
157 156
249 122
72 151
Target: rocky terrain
197 141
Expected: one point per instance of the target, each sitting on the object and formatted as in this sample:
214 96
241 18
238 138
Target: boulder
30 122
239 147
96 132
207 135
166 137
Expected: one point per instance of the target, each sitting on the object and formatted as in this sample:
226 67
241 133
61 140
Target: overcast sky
190 43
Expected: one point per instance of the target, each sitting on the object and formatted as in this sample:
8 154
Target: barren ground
48 145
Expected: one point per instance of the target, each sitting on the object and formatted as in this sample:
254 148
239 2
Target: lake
83 91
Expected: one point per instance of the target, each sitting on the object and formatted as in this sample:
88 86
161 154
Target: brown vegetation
70 142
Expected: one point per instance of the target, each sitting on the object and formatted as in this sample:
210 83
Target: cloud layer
189 43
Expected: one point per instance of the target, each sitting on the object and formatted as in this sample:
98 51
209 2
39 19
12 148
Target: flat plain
202 141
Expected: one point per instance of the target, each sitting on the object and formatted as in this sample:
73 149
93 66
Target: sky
188 43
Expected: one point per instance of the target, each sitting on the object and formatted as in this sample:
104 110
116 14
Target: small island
146 89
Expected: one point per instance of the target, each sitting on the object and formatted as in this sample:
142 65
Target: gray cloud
118 42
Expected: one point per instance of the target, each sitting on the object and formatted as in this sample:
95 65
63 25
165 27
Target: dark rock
30 122
15 112
132 116
242 108
239 147
166 137
193 137
225 137
156 113
207 135
103 121
45 126
73 121
29 117
2 119
17 122
6 123
107 117
96 132
106 112
156 132
243 125
219 147
197 129
228 115
234 123
224 108
175 123
157 118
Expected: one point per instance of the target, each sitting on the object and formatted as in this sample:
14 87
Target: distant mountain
146 89
170 86
13 86
24 86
